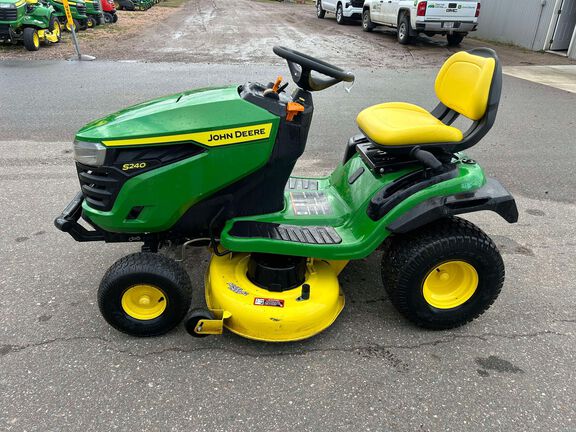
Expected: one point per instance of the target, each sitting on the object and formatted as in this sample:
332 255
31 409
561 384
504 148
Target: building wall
520 22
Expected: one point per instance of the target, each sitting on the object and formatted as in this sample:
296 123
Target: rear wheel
454 39
404 30
442 275
367 24
320 13
340 18
144 294
31 39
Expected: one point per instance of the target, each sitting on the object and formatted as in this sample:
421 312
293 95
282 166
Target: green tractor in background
132 5
28 21
78 11
94 13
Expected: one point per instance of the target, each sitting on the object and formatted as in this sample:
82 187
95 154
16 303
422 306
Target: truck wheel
442 275
144 294
55 28
454 39
320 13
367 24
340 18
404 30
31 39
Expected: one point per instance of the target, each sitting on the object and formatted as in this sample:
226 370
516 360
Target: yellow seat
463 86
398 123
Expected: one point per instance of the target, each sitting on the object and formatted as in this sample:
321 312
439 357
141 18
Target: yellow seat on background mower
462 85
398 123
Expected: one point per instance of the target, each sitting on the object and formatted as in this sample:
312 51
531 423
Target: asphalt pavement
63 368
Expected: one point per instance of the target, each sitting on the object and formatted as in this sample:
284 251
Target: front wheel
91 23
320 13
144 294
108 18
367 24
442 275
404 30
340 18
454 39
31 39
55 29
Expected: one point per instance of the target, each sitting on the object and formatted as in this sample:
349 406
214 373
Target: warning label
310 203
259 301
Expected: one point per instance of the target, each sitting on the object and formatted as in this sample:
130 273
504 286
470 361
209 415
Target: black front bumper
68 222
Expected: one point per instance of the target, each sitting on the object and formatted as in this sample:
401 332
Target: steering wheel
301 66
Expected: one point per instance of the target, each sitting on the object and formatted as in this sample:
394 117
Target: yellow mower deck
256 313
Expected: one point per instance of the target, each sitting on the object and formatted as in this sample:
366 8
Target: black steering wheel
301 66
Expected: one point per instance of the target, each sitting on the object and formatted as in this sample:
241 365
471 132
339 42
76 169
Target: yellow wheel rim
450 285
144 302
56 29
36 40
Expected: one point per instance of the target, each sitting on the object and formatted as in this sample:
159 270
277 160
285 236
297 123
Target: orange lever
277 84
292 110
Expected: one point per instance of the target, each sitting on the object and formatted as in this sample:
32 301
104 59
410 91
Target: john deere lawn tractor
29 22
212 168
94 13
132 5
78 10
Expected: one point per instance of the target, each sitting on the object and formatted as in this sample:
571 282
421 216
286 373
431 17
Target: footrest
288 233
295 183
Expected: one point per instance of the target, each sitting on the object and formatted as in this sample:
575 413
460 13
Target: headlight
88 153
7 5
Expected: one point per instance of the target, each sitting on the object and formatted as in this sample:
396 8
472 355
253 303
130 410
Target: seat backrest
464 82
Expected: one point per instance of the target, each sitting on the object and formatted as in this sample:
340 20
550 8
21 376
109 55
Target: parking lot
63 368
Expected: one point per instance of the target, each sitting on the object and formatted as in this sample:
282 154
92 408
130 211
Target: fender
492 196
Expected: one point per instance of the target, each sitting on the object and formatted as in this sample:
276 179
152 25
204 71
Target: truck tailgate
451 10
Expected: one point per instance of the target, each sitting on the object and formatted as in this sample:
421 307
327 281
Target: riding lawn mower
78 11
212 168
30 22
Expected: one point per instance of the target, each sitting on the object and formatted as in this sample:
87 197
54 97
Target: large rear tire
31 39
404 30
320 13
442 275
340 18
367 24
454 39
144 294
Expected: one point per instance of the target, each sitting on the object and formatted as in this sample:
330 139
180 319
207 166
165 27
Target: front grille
8 14
81 9
100 186
96 6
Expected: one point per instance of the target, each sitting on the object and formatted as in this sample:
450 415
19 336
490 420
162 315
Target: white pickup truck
411 17
345 10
